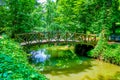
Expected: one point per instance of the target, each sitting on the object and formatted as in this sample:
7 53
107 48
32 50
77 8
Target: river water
88 70
78 68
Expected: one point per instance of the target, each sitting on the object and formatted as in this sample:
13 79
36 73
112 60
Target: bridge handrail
56 36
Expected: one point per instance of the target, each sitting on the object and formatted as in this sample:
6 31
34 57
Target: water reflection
39 56
90 69
63 64
62 67
67 66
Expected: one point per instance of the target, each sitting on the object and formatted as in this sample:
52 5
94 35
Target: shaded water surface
65 65
89 69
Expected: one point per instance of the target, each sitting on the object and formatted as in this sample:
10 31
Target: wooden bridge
55 37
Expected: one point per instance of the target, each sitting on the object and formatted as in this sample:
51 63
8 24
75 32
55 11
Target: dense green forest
69 15
80 16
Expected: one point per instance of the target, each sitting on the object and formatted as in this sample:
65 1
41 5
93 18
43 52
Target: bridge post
58 36
88 39
95 40
66 37
39 37
74 36
48 37
85 38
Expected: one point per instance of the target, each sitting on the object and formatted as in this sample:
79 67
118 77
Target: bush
112 54
107 52
99 48
14 63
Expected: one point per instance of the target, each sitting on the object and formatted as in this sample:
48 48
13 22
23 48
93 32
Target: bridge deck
52 41
50 37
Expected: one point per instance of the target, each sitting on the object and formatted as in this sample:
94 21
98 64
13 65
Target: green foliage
84 15
100 47
64 15
14 63
107 52
4 19
112 54
116 77
19 16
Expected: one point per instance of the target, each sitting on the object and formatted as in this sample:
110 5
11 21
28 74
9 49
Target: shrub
107 52
99 48
112 54
14 64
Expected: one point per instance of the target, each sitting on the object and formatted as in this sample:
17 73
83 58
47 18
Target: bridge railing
41 37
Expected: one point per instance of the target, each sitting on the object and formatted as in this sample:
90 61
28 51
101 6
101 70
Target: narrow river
65 65
88 70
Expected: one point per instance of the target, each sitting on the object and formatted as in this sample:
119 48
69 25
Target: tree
84 15
20 14
3 19
17 16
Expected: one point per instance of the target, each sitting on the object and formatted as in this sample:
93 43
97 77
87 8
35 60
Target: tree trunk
113 28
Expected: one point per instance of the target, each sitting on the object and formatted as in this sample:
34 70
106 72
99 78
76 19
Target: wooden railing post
88 38
39 37
95 39
85 37
66 37
74 36
48 36
58 36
